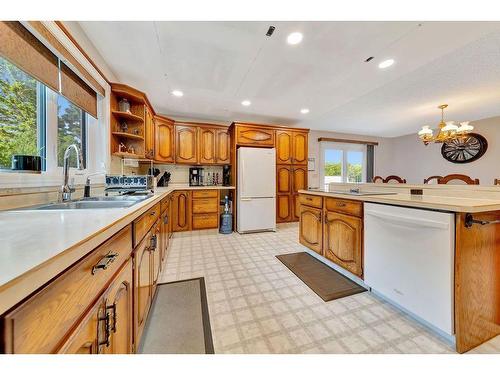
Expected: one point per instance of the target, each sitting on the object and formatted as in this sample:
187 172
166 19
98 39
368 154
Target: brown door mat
323 280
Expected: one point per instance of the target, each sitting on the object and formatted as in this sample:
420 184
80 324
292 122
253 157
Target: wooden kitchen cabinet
149 133
156 253
143 284
283 208
164 140
206 145
299 179
222 146
283 179
284 141
254 135
289 180
299 148
165 228
311 228
342 241
186 144
118 303
181 211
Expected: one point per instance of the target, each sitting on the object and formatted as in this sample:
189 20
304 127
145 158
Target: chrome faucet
66 190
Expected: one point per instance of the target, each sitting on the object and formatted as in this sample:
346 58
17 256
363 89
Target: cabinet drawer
254 136
164 203
144 223
205 193
344 206
40 324
204 206
207 221
311 200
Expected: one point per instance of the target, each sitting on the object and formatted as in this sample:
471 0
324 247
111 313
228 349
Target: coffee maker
195 176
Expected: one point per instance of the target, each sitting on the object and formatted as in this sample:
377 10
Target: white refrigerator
256 198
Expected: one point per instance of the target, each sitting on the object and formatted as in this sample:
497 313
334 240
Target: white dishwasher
409 259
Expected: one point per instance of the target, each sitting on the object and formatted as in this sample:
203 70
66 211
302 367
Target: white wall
408 157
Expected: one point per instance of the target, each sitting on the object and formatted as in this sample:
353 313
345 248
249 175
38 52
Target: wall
314 149
408 157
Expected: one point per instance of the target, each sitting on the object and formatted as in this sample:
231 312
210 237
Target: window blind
22 49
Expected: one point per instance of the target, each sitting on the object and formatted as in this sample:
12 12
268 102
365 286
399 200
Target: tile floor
257 305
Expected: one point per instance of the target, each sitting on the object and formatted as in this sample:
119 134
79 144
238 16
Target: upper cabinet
204 144
222 146
164 140
284 147
186 137
299 148
254 135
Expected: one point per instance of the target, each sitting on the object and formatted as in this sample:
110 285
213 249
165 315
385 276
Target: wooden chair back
377 179
461 177
497 181
429 179
395 178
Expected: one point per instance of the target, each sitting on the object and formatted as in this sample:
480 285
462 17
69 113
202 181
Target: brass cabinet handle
165 219
104 262
341 204
320 217
153 243
107 327
113 309
153 213
309 199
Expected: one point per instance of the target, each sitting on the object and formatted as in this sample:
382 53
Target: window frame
345 148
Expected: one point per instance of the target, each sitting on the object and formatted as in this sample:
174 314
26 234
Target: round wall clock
465 149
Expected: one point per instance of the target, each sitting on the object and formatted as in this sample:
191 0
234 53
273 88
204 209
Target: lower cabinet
342 241
311 228
165 225
181 211
333 229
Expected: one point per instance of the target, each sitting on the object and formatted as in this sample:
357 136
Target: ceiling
219 64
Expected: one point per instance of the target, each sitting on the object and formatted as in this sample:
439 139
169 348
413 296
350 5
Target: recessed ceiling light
294 38
246 103
177 93
386 63
304 110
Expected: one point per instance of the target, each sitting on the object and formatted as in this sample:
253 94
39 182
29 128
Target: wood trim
341 140
82 51
201 124
45 33
269 126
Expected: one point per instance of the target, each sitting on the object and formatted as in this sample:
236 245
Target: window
71 128
22 114
343 163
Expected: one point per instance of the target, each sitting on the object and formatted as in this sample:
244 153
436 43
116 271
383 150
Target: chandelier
446 132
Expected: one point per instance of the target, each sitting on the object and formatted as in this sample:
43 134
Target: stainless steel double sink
121 201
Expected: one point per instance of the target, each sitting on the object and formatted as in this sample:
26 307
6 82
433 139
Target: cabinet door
206 142
143 285
283 147
149 133
222 147
164 141
254 136
343 241
283 179
119 306
156 252
86 336
283 208
186 144
295 207
181 211
165 232
310 228
299 148
299 179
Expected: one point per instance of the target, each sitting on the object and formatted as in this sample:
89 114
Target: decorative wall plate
465 149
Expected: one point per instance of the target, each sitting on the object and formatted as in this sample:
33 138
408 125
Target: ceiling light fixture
386 63
447 130
304 110
246 103
294 38
177 93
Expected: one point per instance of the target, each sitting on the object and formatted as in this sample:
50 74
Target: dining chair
429 179
458 177
497 181
377 179
394 178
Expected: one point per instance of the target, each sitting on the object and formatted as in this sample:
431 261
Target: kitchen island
333 225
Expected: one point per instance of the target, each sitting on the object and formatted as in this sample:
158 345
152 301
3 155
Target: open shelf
128 135
127 116
127 155
126 94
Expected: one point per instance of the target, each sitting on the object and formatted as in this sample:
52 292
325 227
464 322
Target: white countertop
46 242
434 202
